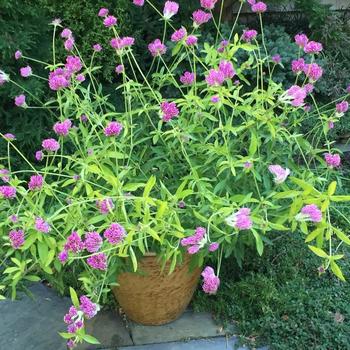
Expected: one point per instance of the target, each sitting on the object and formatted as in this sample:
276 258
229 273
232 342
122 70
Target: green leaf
259 243
43 251
336 270
318 251
340 198
331 188
149 185
133 259
66 335
90 339
253 144
342 236
74 297
313 235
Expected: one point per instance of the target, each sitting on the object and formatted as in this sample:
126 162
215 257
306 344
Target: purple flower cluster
110 21
26 71
280 174
8 191
258 7
193 243
35 182
249 34
105 206
188 78
121 43
171 8
332 160
89 308
179 34
200 17
139 2
16 238
157 48
115 233
93 242
50 145
208 4
74 243
70 41
297 95
98 261
113 129
62 128
217 77
41 225
310 212
169 110
342 107
20 100
211 282
5 175
240 220
308 46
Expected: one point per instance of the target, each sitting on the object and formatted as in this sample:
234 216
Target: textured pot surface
152 297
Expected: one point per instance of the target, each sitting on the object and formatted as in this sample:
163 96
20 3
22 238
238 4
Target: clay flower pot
152 297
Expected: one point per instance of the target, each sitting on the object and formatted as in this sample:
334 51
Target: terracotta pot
152 297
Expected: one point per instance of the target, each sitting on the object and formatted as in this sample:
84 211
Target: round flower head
139 2
171 8
313 47
74 243
69 44
26 71
97 47
200 17
59 79
298 65
223 44
179 34
105 206
276 59
42 226
89 308
8 192
80 78
63 256
5 175
50 145
16 238
10 137
73 64
215 78
115 233
20 101
66 33
240 220
215 99
211 282
113 129
330 124
35 182
310 212
248 165
93 242
187 78
39 155
169 110
208 4
249 34
226 68
119 69
18 55
103 12
191 40
313 71
342 107
195 239
259 7
13 218
109 21
297 95
301 40
4 78
98 261
62 128
157 48
332 160
280 174
309 88
213 247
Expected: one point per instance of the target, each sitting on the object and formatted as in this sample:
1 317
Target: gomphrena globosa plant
196 159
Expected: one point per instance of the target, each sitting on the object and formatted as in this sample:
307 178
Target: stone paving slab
219 343
189 326
33 324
